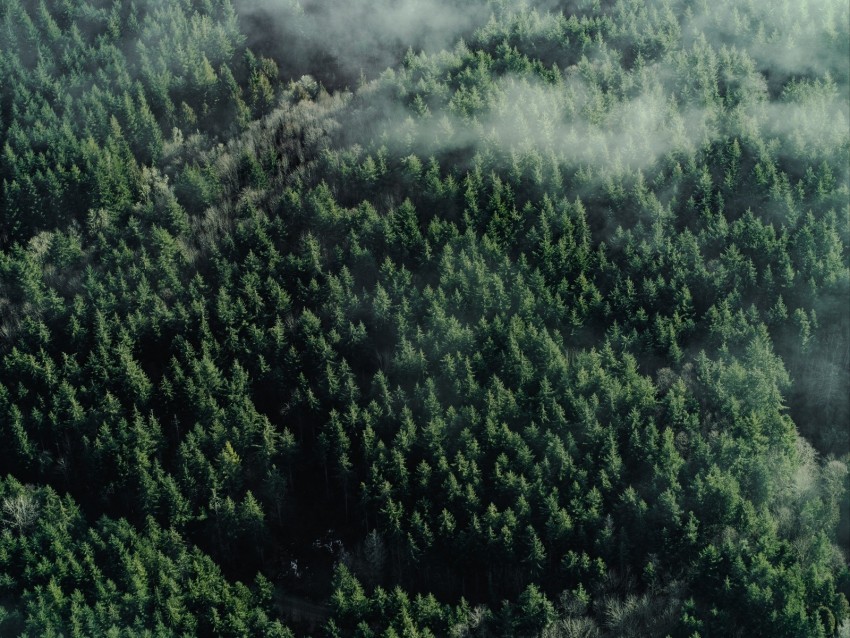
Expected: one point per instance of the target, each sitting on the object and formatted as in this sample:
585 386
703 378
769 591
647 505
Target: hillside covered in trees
399 318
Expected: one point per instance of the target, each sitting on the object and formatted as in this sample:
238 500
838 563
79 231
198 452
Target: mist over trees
446 318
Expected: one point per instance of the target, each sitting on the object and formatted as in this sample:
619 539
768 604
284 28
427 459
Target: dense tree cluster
545 333
94 91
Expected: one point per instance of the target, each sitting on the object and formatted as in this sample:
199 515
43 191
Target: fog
783 36
348 44
662 111
773 76
342 42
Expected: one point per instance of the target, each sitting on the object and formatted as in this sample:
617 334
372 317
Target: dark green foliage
94 91
62 574
542 334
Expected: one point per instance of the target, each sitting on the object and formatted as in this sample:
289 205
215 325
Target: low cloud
341 41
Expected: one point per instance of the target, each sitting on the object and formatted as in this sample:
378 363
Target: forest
424 318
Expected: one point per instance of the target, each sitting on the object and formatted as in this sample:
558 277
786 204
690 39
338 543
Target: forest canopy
392 318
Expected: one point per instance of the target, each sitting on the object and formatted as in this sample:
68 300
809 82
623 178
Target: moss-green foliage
542 334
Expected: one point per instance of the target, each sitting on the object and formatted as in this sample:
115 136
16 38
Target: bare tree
20 510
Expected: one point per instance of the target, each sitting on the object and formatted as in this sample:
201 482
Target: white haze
356 38
659 109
